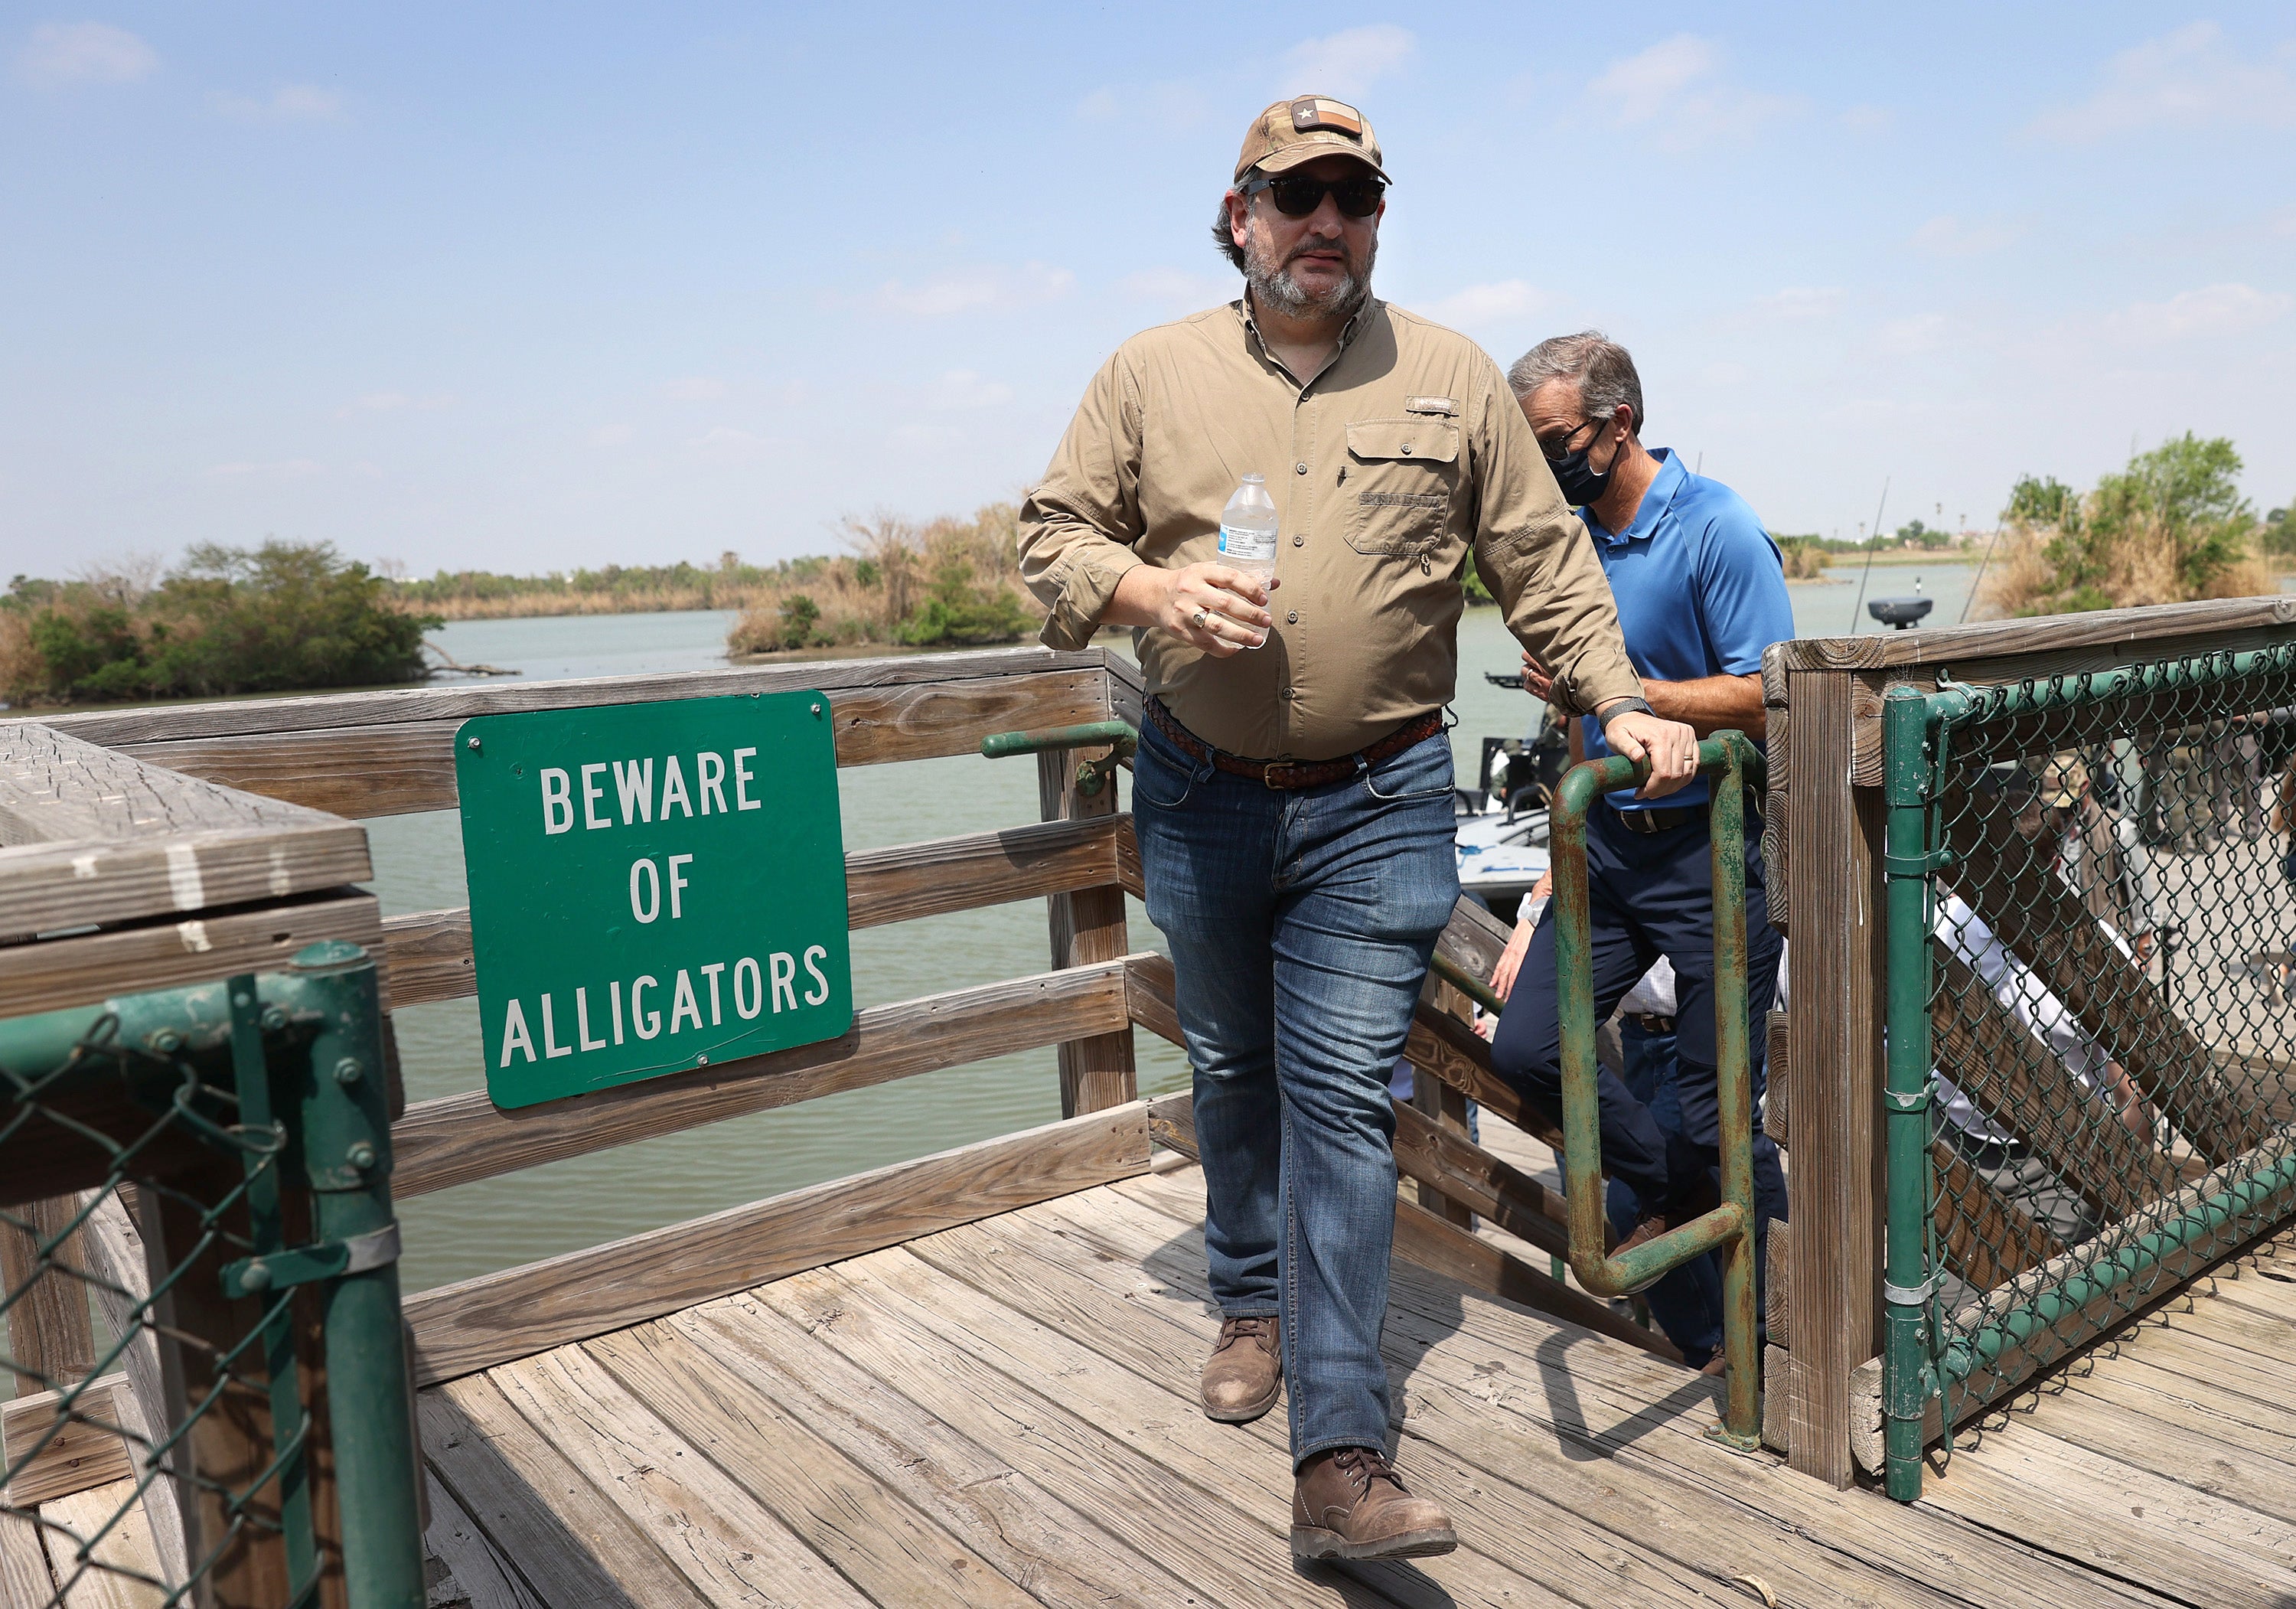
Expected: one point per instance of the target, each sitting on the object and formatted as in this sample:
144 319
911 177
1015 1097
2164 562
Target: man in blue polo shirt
1701 592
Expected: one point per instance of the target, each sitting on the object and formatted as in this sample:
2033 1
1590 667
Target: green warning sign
653 888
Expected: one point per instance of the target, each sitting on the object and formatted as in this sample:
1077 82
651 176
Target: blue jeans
1300 924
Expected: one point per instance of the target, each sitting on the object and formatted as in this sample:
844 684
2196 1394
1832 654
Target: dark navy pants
1649 896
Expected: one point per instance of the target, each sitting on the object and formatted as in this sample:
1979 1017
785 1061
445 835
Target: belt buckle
1267 772
1639 821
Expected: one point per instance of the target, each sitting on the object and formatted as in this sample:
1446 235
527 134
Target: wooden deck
1003 1414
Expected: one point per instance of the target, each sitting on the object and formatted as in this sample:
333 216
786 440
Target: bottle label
1247 546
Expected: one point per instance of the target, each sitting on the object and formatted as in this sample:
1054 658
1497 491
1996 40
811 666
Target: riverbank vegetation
282 618
949 583
483 595
2170 528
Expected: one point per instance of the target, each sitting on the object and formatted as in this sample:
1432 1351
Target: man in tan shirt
1292 796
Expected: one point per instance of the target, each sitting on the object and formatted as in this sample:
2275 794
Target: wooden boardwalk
1003 1414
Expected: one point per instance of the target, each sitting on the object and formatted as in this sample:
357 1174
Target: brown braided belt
1295 773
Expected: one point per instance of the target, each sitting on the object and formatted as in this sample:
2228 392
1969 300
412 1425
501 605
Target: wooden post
48 1330
1445 1105
1834 1071
1087 926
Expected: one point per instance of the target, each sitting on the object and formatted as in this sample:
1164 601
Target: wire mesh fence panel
173 1183
2111 927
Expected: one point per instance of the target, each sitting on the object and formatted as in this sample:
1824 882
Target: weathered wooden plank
487 1580
457 1138
1986 1238
574 1544
2080 1505
741 1354
120 1570
456 702
1443 1160
1777 1287
88 967
480 1323
1834 1067
24 1578
112 1248
47 886
49 1337
1087 926
1446 1048
84 1449
2175 1448
430 951
2009 882
1148 992
2125 632
1128 689
1777 1062
1208 1534
55 787
731 1546
1996 1061
1157 1336
1612 1435
392 767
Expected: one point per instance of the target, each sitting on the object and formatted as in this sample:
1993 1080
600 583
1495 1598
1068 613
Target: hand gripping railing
1733 764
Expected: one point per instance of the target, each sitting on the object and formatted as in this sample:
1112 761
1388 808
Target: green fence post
345 1130
1906 866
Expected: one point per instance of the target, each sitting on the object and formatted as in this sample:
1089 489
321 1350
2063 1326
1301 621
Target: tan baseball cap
1303 128
2063 780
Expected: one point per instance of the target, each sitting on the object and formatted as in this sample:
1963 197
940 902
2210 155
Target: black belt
1651 822
1651 1024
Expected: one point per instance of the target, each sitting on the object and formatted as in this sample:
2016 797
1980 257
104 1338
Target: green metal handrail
1733 764
1122 739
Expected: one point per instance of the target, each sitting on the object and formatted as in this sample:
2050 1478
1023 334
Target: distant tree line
279 618
946 583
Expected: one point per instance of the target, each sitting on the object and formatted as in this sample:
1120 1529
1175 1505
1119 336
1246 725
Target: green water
500 1222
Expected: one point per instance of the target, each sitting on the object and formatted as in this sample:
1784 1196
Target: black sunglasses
1558 447
1297 195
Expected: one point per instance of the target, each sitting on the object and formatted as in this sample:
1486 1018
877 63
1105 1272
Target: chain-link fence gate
2092 945
201 1300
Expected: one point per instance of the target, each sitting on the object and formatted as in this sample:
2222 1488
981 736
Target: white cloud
724 444
610 435
1912 335
2185 80
963 390
974 289
85 52
1348 63
1177 287
1946 235
2226 309
289 104
1800 303
695 388
1676 93
1487 304
395 402
284 468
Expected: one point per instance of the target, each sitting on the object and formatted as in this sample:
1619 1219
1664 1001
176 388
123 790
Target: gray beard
1274 288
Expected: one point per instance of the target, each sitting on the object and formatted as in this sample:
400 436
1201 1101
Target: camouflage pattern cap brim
1304 128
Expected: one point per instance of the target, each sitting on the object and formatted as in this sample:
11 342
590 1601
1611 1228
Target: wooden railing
1824 826
188 843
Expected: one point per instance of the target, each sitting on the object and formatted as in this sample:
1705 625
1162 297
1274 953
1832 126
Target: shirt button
1292 619
1299 469
1299 541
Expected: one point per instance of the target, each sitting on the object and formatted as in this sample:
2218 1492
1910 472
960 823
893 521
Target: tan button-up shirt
1403 457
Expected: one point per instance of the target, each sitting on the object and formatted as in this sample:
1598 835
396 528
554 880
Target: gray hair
1600 367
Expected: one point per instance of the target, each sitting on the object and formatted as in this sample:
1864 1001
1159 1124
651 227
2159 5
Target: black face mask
1580 485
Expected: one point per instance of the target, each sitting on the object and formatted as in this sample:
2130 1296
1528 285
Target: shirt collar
1664 487
1355 327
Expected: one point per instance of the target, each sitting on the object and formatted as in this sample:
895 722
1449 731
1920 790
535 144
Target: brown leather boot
1704 1196
1245 1370
1349 1503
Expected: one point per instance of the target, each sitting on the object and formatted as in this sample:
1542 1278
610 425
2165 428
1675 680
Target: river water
496 1223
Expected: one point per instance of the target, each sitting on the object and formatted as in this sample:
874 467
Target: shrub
280 618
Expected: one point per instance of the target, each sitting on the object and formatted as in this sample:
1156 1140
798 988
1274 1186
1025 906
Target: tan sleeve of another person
1079 525
1538 561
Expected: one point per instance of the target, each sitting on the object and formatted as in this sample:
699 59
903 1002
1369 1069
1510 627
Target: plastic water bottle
1248 530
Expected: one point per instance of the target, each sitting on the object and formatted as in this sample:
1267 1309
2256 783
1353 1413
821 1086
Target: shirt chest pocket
1399 478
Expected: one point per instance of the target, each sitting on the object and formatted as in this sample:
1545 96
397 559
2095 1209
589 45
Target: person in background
1293 790
2103 855
1700 591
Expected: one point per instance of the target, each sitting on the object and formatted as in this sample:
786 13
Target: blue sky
526 287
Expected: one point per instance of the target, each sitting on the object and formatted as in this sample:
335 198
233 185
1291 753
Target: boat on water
1502 822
